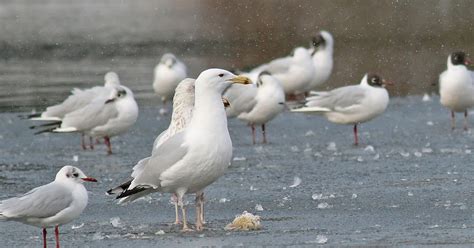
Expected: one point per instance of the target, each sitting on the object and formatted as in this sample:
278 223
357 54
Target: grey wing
94 114
241 99
42 202
165 156
139 167
338 99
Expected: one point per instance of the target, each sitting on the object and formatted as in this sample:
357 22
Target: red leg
264 134
107 143
465 120
91 143
453 121
56 233
44 237
83 143
253 133
356 139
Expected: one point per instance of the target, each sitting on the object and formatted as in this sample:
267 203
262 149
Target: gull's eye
76 174
221 75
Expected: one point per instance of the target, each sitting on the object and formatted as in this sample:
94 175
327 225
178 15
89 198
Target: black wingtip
123 187
130 192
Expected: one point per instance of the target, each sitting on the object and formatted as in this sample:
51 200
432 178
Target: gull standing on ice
50 205
350 104
194 158
265 102
322 56
168 73
77 100
456 86
183 105
295 73
100 119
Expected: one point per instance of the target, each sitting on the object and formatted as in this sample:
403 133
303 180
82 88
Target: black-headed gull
78 99
295 72
192 159
350 104
456 86
167 75
321 51
256 104
50 205
100 119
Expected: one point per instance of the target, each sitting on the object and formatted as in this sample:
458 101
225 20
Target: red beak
467 61
386 82
89 179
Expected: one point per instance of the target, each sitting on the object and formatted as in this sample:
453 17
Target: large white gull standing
50 205
194 158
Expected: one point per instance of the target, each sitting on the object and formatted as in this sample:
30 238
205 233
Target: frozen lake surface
408 183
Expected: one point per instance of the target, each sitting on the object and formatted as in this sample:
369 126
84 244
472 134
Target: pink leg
109 146
97 141
465 120
453 121
174 197
91 143
253 133
83 143
264 134
56 233
356 139
44 237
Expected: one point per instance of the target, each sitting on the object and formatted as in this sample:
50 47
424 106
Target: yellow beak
240 80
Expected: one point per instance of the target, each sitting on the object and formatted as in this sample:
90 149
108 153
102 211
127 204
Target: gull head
118 93
111 79
219 79
262 78
375 80
73 174
459 58
322 41
168 59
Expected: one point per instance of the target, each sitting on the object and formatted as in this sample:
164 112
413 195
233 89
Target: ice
309 133
115 221
98 236
317 154
252 188
318 197
369 149
323 205
360 159
321 239
429 123
405 154
296 182
354 196
376 157
410 193
239 158
426 97
258 207
451 150
331 146
73 227
417 154
467 151
294 149
160 232
163 111
224 200
75 158
427 150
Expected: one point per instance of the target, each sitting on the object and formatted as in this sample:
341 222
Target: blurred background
51 46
